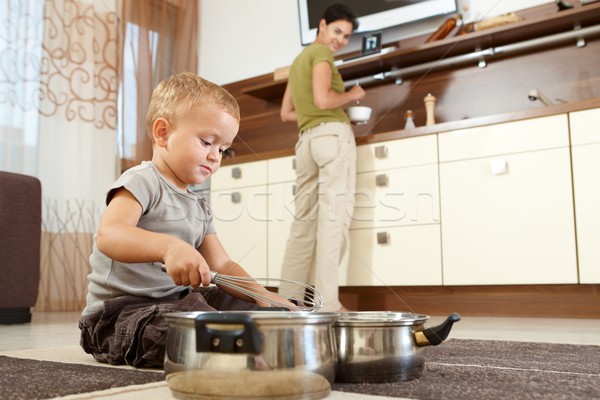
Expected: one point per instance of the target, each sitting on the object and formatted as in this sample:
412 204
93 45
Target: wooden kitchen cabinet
238 200
395 232
585 142
507 204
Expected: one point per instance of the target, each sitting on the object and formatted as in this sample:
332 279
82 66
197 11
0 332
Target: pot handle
227 333
437 334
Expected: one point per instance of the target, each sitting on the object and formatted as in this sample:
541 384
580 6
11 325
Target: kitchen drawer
512 137
281 169
397 256
397 153
585 127
403 196
240 175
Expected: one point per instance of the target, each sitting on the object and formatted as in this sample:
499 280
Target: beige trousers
324 202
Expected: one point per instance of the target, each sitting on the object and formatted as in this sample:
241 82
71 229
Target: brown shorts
130 330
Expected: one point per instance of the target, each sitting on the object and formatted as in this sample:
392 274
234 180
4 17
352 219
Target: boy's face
191 151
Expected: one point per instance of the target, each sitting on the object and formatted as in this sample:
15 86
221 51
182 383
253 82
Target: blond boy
153 219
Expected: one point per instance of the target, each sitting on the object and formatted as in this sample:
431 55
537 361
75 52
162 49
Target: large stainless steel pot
250 354
384 346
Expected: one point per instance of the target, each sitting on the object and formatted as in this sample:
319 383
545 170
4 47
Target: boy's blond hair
182 92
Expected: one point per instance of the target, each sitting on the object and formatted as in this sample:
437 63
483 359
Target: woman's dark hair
340 11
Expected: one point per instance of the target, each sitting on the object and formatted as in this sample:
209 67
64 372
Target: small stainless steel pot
384 346
250 354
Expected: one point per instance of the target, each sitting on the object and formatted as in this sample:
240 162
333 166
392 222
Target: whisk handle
213 275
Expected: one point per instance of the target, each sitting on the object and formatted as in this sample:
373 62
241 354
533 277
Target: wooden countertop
440 128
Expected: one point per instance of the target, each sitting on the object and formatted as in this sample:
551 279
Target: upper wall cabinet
585 139
507 204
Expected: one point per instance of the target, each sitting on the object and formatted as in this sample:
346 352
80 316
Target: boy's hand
186 266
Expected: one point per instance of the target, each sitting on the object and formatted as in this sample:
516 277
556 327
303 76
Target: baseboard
554 301
10 316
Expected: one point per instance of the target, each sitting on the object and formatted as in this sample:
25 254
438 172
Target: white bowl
359 114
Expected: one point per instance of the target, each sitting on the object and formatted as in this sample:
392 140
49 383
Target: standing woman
325 158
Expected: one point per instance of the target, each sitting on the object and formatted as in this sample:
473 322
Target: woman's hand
357 93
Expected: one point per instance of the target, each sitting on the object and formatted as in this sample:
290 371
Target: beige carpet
150 391
491 370
456 370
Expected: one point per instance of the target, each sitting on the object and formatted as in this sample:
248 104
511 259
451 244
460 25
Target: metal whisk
303 296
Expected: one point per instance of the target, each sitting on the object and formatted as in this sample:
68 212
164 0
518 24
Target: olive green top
300 81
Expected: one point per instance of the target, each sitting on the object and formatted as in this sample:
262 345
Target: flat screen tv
373 15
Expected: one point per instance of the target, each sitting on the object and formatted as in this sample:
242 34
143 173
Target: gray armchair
20 236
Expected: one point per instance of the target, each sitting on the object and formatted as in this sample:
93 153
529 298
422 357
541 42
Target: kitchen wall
241 39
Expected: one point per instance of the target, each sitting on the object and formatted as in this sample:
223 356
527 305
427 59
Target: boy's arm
120 239
216 256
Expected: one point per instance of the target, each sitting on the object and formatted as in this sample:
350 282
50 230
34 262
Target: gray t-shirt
165 209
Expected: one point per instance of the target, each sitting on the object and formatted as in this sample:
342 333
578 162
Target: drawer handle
294 190
294 164
381 180
381 152
236 197
236 173
498 166
383 238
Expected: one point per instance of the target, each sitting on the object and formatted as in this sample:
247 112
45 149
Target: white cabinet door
240 216
511 227
585 138
281 169
395 256
281 177
238 199
281 215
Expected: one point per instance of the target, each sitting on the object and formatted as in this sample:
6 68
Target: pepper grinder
429 108
408 117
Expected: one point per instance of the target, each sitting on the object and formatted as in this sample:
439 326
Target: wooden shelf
551 22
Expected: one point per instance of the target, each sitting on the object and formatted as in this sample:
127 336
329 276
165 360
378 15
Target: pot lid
260 317
380 318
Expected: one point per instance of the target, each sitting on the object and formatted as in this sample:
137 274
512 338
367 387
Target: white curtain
58 93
